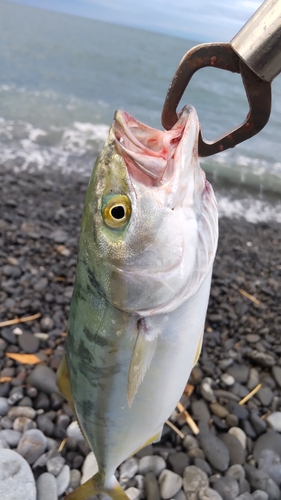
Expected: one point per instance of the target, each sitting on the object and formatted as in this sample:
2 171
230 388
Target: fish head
149 228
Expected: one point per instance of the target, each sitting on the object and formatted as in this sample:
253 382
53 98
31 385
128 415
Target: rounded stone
236 471
178 462
128 469
274 421
239 372
46 487
73 431
12 437
153 464
133 493
194 479
260 480
4 406
208 494
219 410
227 380
63 480
32 444
169 484
75 478
265 395
240 435
270 463
215 450
28 342
271 440
43 378
259 495
151 487
16 478
55 464
236 452
21 411
227 487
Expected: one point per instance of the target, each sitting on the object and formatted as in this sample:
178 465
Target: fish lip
148 152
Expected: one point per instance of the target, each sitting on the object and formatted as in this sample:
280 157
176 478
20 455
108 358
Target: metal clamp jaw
255 53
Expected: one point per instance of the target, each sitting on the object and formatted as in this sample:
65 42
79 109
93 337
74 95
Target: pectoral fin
198 350
143 353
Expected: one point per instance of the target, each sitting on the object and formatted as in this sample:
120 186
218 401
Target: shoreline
39 228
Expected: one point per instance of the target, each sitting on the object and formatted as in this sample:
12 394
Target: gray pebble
12 437
22 424
3 443
239 372
271 440
28 342
178 462
208 494
254 379
236 471
245 496
151 487
46 487
276 372
203 465
32 444
59 236
63 480
274 420
4 406
227 380
16 478
236 452
227 487
43 378
194 479
240 435
200 411
190 442
261 358
259 479
207 391
133 493
259 495
169 484
75 478
128 469
55 464
219 410
153 464
215 450
74 432
258 423
270 463
265 395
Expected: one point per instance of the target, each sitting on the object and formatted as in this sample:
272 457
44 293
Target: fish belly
99 349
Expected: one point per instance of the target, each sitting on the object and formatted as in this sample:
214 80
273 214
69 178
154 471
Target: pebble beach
228 447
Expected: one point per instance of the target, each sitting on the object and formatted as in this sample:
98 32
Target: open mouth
148 152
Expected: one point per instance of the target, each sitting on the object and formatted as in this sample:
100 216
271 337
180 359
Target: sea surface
62 77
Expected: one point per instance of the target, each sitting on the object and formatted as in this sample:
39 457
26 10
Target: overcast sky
206 20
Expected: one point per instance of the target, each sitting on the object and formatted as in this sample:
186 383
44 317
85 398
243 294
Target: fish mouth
149 153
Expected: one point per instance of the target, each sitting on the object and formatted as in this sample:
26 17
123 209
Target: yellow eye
116 211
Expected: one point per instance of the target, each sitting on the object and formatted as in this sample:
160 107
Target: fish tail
93 487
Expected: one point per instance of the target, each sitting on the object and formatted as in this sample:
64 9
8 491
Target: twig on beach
251 394
188 418
177 431
249 296
5 379
61 446
16 321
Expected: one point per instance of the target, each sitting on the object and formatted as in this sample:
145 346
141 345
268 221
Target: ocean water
62 77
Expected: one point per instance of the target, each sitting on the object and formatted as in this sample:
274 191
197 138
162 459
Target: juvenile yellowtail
147 246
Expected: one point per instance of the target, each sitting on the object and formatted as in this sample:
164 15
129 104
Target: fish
147 246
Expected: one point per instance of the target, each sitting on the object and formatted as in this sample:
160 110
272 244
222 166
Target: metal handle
258 43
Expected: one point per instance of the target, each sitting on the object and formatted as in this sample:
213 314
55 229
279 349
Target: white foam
253 210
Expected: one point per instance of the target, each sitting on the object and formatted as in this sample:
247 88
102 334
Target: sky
204 20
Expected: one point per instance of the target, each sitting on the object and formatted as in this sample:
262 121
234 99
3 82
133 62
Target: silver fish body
147 245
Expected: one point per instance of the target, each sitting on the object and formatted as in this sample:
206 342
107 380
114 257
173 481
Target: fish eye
116 211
